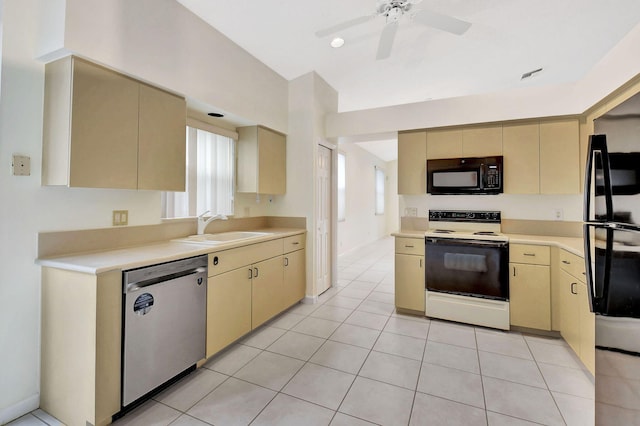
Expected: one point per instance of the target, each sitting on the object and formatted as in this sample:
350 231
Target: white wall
162 42
531 207
361 224
154 40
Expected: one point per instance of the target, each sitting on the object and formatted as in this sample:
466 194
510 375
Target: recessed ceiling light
215 114
337 42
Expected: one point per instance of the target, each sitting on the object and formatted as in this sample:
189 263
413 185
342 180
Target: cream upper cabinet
482 141
161 140
560 157
95 121
261 161
520 145
444 143
412 163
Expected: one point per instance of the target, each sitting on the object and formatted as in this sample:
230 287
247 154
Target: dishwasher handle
137 285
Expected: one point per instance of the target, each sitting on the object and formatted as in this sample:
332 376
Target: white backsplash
528 207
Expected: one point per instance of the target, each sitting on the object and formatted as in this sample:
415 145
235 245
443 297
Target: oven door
467 267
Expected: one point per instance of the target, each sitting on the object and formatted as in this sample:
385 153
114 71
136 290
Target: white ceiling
507 38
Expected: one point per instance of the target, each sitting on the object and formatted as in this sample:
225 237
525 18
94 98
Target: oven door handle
465 242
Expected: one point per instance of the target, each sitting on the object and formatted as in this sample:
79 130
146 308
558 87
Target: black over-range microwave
465 176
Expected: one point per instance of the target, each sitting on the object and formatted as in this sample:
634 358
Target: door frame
333 218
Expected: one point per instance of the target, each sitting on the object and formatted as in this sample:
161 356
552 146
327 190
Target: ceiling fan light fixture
337 42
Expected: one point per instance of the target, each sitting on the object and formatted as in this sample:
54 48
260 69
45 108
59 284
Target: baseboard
19 409
310 300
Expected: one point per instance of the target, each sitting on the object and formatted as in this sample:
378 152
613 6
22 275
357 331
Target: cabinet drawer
572 264
228 260
293 243
529 253
410 246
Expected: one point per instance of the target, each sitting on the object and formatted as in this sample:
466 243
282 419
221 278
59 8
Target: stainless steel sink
223 237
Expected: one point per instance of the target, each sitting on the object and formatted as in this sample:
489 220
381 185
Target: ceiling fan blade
442 22
344 25
386 40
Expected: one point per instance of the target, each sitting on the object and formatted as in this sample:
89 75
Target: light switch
21 165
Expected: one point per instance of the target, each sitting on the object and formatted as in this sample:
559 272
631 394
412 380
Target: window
342 187
210 171
379 191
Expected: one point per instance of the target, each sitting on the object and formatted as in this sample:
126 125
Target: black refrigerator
612 257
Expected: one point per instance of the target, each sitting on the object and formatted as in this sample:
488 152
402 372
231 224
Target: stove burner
485 233
442 231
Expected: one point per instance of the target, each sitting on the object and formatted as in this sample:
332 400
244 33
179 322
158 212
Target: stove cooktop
484 225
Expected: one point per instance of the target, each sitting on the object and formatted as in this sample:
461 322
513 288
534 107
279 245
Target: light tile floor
351 360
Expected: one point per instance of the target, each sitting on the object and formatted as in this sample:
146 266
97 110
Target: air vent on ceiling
530 74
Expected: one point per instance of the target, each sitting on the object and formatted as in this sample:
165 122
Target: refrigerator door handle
591 290
598 148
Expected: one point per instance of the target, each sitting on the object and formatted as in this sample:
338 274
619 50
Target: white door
323 220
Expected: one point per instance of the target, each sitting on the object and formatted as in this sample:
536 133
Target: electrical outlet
411 212
120 217
558 214
21 165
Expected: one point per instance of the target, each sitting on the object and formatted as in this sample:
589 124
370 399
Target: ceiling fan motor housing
393 10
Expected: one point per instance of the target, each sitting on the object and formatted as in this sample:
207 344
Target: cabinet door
266 290
409 282
587 329
162 140
482 141
412 163
444 144
104 128
228 309
560 157
294 278
271 162
530 296
521 151
569 310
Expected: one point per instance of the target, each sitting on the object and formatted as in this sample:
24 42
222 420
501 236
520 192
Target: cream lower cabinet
409 275
228 309
294 285
530 286
577 324
266 290
81 346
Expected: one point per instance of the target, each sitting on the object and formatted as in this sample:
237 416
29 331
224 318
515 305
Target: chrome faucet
202 222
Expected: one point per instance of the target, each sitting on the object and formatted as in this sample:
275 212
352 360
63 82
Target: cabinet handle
420 262
286 261
295 243
514 271
572 287
250 273
256 274
406 246
566 262
530 254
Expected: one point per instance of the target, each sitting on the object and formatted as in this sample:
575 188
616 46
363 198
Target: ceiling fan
392 11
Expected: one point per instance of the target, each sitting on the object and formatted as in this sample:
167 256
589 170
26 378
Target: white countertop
571 244
149 254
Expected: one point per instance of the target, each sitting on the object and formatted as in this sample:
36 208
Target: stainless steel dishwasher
164 321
